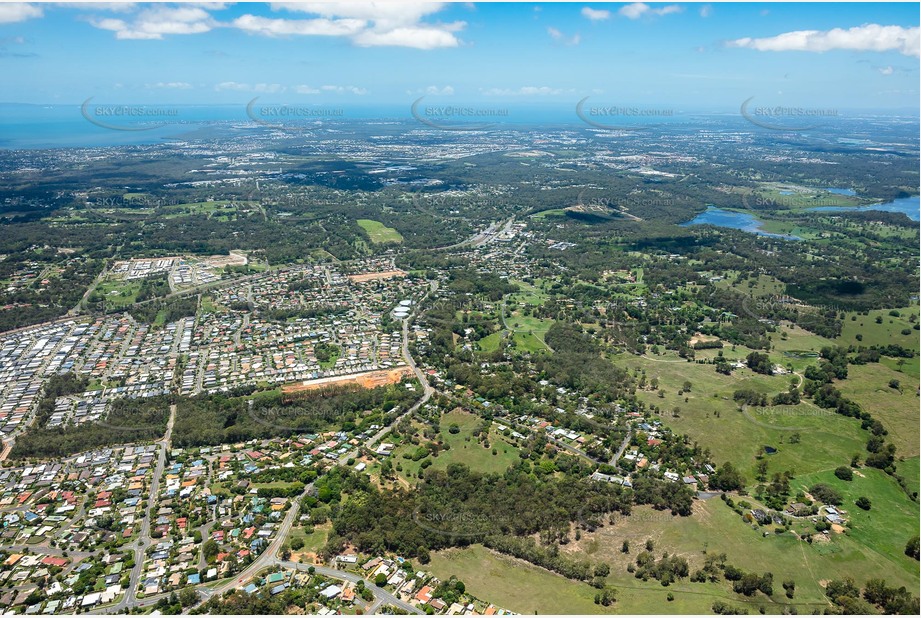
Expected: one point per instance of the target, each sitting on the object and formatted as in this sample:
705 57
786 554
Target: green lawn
490 343
526 342
378 232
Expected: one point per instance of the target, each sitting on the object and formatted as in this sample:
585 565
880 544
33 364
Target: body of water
909 206
735 220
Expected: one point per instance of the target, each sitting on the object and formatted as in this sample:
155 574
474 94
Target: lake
909 206
735 220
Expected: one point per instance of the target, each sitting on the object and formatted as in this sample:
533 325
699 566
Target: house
424 595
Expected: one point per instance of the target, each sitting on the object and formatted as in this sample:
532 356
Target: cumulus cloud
155 22
308 27
886 70
370 24
13 12
595 14
641 9
869 37
706 10
366 24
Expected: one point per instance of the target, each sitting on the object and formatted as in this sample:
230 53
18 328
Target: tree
826 493
912 547
727 478
188 596
844 473
297 543
380 580
210 549
863 502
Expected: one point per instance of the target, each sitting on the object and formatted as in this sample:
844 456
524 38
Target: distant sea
25 126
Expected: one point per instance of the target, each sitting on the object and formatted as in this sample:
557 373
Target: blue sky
681 55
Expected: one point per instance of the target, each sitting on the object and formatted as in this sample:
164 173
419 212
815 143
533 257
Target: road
269 557
427 392
266 558
381 596
143 540
623 447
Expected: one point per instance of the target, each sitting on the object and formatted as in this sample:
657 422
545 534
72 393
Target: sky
684 55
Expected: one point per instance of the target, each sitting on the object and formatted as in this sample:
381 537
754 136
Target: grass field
711 417
468 452
882 532
715 528
520 587
490 343
378 232
514 585
868 385
118 292
526 342
890 331
314 541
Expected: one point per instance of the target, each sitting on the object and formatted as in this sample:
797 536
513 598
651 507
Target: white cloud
869 37
13 12
523 91
286 27
706 10
886 70
421 37
556 35
261 88
304 89
435 90
173 85
639 9
595 14
367 24
344 90
154 22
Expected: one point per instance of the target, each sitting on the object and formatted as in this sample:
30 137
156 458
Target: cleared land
378 232
368 379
